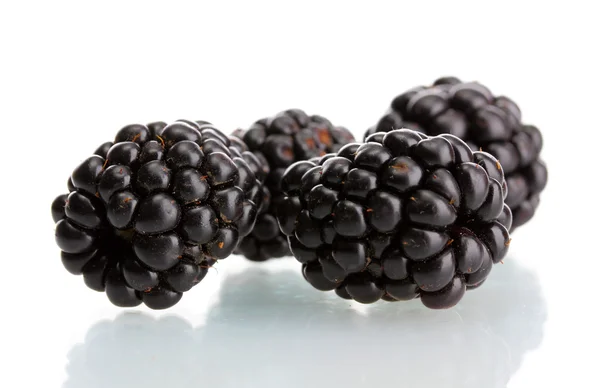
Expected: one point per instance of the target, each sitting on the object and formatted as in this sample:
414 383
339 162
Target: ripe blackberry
485 122
400 217
279 141
150 213
231 146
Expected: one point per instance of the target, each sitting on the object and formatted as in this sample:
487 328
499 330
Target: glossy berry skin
148 214
279 141
485 122
403 216
58 207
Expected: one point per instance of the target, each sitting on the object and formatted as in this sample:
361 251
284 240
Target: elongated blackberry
400 217
151 212
486 122
279 141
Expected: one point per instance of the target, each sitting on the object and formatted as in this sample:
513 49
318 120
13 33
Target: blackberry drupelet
486 122
279 141
400 217
150 213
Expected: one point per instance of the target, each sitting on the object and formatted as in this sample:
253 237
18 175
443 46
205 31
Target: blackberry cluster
151 212
485 122
279 141
400 217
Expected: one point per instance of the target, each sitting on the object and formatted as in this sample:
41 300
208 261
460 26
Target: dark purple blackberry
279 141
147 216
402 217
485 122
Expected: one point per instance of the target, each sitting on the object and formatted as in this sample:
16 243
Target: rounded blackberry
279 141
423 218
485 122
148 214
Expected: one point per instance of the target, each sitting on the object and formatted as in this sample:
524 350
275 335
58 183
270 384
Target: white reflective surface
267 329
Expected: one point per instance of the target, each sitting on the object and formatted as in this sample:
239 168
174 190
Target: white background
73 73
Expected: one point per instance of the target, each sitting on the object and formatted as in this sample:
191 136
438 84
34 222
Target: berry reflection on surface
272 330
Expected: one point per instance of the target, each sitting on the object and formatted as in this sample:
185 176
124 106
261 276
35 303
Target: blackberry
151 212
400 217
486 122
279 141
